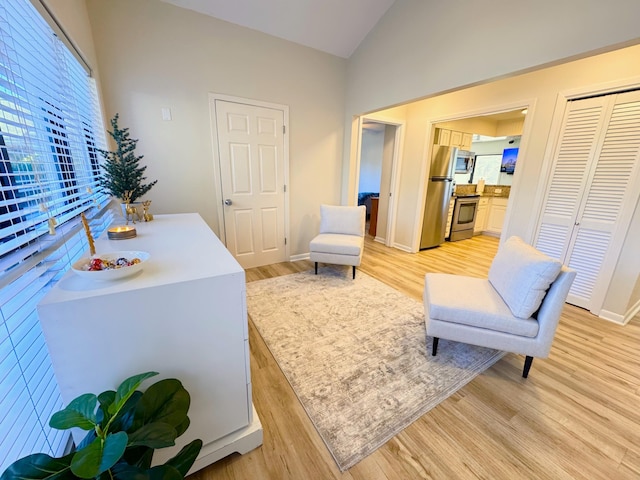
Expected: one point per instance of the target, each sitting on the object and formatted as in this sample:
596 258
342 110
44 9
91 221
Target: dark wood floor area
577 416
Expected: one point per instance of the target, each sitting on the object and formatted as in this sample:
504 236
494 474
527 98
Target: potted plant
125 427
123 176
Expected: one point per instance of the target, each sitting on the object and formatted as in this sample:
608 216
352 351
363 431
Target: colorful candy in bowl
111 265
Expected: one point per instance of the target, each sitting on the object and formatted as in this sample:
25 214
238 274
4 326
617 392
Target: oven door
464 218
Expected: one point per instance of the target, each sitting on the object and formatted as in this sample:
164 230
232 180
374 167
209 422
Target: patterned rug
357 355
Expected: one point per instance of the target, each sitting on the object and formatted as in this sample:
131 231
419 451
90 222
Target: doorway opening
496 140
378 165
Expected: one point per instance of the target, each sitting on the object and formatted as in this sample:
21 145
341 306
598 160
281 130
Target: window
50 128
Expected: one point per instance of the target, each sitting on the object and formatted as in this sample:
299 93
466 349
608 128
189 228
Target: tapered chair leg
354 272
527 366
434 348
316 268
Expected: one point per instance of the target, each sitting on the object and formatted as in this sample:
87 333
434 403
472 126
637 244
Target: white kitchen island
184 315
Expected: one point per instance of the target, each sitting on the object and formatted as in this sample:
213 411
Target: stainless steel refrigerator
439 190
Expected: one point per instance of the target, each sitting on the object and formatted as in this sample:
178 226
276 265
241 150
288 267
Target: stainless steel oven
463 219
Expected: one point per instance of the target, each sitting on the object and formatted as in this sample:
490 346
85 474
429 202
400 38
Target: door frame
396 163
611 258
217 175
529 104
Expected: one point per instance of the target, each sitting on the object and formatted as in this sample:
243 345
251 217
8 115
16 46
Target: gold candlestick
92 247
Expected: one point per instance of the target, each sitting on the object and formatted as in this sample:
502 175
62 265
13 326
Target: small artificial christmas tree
122 172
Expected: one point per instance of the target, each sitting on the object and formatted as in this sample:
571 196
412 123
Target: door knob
228 202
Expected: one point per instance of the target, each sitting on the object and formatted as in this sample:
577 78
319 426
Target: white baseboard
632 312
297 258
404 248
611 317
620 319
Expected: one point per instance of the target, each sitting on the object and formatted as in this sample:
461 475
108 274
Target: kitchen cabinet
481 215
497 209
467 138
452 204
184 315
456 139
443 137
453 138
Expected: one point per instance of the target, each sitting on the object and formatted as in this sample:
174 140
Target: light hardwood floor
576 416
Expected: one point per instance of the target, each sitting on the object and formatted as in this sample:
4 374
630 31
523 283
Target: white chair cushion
522 275
337 243
341 219
473 302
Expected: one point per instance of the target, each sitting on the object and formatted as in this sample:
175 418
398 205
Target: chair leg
434 348
354 272
316 268
527 366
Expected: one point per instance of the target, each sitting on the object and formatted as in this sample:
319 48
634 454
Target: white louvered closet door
593 191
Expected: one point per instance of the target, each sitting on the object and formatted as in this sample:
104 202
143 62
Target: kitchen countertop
489 190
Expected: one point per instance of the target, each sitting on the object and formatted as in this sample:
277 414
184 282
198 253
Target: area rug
357 355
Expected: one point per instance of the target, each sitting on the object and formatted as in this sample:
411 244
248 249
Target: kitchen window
50 130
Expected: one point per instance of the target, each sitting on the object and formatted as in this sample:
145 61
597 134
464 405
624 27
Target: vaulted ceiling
333 26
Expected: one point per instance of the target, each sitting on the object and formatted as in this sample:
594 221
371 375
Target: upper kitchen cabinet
453 138
442 137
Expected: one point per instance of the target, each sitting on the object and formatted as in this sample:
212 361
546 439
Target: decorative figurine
131 211
145 207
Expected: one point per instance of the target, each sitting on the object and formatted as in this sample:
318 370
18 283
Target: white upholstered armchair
516 309
341 237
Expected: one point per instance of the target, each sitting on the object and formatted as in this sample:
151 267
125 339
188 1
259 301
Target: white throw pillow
522 275
342 219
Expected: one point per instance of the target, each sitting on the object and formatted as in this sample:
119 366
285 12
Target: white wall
371 160
153 55
423 47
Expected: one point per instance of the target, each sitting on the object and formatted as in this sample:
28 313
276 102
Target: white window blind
50 127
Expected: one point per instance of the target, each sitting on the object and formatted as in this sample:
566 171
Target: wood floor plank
576 416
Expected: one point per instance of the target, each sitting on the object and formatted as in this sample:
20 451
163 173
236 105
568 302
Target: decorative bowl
81 267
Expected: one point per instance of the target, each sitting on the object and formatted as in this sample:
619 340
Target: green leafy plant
122 170
125 427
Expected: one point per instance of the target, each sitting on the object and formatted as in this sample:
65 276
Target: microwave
464 161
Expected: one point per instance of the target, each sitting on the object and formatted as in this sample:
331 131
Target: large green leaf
166 401
125 416
105 399
123 471
183 426
89 437
138 457
99 455
154 435
126 389
39 466
165 472
186 456
79 413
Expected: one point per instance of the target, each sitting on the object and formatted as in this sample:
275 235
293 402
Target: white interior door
593 189
252 175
